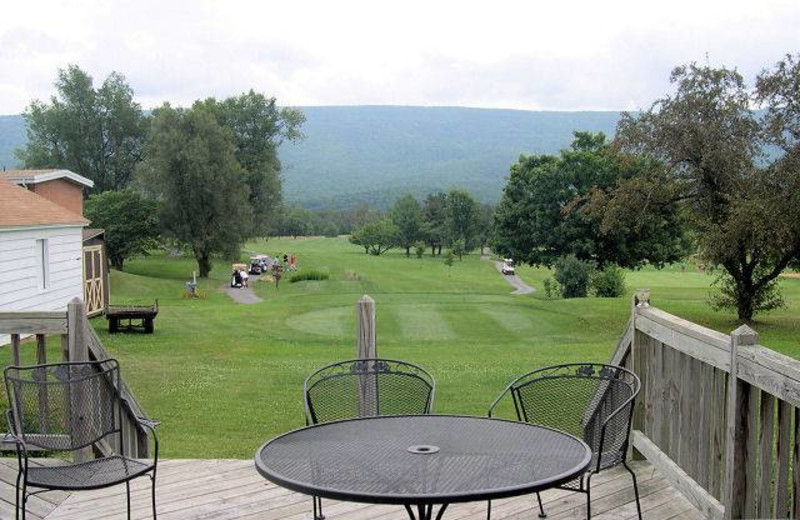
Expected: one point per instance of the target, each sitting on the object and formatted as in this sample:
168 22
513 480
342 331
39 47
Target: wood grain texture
232 490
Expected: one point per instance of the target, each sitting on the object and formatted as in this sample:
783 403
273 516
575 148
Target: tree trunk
117 262
744 308
203 263
440 250
408 251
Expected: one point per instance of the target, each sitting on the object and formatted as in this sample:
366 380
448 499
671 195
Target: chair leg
128 496
24 497
589 496
488 510
542 514
16 503
153 478
635 489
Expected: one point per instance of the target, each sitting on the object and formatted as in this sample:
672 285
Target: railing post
737 481
365 338
365 321
638 364
78 350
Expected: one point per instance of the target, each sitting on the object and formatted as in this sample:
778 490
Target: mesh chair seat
88 475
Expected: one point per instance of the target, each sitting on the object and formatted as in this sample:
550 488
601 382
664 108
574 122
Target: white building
40 252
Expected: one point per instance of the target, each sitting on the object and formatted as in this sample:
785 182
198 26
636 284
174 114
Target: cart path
515 281
245 295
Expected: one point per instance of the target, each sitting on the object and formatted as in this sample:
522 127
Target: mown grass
224 377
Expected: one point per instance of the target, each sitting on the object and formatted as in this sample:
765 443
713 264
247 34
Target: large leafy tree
191 168
130 222
258 126
552 207
462 217
435 221
96 132
485 225
297 221
741 194
407 216
376 237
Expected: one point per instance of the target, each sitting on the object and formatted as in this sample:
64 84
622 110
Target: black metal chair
366 388
64 407
591 401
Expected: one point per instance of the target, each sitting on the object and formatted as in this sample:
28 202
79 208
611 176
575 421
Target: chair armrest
148 423
613 414
497 401
12 436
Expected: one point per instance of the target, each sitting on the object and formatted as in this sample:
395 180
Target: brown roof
89 233
23 208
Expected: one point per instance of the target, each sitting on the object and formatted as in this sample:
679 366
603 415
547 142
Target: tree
573 276
191 168
407 216
485 225
742 198
129 220
258 127
296 222
555 206
462 220
97 133
435 221
376 237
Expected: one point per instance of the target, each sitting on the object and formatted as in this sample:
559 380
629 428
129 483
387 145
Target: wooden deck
231 489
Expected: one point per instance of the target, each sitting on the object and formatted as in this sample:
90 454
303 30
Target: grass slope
225 377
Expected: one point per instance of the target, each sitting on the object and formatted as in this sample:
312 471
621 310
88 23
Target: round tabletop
422 459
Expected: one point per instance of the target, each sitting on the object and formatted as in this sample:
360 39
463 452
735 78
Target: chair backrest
365 388
64 406
580 398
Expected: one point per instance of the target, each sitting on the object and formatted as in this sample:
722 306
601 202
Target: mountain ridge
374 153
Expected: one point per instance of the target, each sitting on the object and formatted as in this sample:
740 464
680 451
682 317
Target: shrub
309 274
551 287
608 282
419 249
573 276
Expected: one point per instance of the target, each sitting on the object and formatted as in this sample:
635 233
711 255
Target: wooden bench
146 313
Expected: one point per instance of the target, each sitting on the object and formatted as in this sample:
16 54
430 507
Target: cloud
565 55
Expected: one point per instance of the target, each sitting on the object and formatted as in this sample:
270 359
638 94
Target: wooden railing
79 342
718 414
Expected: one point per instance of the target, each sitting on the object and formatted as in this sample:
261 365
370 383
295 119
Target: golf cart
236 278
508 267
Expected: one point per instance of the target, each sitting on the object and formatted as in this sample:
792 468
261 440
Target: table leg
425 512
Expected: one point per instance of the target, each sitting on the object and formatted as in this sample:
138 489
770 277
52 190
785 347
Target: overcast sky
539 55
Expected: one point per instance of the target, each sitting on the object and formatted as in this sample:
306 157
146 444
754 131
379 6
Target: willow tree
191 168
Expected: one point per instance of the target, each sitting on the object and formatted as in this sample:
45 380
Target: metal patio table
420 461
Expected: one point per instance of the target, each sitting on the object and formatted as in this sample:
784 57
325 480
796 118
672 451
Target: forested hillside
12 136
376 153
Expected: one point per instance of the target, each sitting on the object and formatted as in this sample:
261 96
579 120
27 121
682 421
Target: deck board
232 490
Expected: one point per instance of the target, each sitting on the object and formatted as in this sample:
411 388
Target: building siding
20 271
